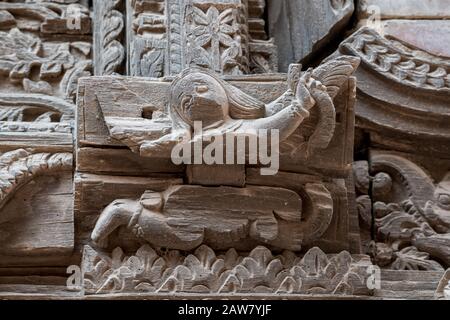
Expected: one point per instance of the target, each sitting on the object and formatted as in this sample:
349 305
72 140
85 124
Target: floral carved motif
214 40
204 271
59 69
410 214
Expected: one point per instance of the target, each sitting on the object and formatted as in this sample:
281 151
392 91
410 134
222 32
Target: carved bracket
411 213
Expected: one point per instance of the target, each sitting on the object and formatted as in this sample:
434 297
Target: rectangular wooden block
130 98
38 223
214 175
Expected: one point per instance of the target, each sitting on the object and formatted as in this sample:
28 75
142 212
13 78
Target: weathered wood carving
45 47
225 36
160 219
151 148
109 25
410 211
398 87
402 190
204 272
59 69
176 219
199 95
47 17
20 218
19 167
36 196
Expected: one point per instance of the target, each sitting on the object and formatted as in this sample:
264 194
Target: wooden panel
122 162
38 222
113 96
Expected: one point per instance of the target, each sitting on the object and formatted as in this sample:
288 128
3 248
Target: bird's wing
334 73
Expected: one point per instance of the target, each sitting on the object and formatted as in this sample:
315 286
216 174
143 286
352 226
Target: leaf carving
334 73
152 63
112 52
112 57
203 271
412 259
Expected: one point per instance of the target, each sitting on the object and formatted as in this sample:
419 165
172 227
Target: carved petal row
206 271
402 95
396 63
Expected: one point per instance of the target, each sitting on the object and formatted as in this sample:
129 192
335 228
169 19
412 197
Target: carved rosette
217 36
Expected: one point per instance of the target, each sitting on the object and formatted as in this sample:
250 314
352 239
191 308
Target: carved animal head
442 194
439 208
116 214
200 95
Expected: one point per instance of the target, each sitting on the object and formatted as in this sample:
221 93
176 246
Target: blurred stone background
307 31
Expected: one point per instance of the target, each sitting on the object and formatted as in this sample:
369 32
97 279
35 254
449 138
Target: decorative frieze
228 37
207 272
403 95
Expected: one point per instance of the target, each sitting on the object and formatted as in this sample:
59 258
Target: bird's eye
201 89
444 199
